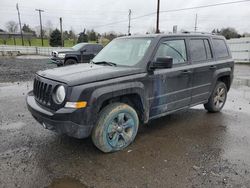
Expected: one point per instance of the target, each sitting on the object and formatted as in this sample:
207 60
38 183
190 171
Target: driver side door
171 88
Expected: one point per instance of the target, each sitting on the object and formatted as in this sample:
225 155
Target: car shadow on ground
174 124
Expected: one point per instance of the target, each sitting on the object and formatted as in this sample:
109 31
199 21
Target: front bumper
57 61
64 121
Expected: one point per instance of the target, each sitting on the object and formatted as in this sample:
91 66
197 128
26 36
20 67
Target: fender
227 71
108 92
71 56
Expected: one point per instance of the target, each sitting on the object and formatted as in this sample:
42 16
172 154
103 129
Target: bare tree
12 26
48 28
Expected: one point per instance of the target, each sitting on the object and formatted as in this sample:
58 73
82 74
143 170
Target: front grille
42 92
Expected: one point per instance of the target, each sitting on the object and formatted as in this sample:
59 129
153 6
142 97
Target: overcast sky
79 14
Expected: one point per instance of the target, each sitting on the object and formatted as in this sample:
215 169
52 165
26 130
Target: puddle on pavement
66 182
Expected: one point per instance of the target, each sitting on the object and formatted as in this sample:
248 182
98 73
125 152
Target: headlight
60 95
62 56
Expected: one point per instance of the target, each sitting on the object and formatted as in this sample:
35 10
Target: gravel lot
191 148
22 68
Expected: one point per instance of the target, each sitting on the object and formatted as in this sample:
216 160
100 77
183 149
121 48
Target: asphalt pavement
191 148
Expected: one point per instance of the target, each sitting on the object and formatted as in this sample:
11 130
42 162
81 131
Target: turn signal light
77 105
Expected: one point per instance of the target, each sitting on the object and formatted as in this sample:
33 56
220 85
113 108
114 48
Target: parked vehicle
131 81
80 53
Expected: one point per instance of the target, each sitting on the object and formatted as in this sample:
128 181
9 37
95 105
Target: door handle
186 72
212 67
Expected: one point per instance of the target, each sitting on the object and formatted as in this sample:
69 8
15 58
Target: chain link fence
26 50
240 49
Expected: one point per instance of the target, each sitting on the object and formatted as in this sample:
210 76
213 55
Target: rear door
204 66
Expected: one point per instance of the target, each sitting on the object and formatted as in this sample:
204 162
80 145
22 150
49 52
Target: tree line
54 35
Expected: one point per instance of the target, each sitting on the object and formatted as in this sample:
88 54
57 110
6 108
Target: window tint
88 48
208 49
173 48
197 49
97 48
220 48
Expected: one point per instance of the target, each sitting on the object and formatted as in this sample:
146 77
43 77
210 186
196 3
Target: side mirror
162 63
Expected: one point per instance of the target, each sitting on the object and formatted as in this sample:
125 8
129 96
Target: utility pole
39 10
61 31
196 22
158 14
20 24
129 21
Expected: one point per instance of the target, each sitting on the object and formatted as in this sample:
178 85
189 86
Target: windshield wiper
105 62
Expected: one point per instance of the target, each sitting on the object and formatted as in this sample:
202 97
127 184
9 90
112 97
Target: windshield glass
125 52
78 46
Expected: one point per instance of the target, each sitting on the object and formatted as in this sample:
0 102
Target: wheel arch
130 93
70 57
223 75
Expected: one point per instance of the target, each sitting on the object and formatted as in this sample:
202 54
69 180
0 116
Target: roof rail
192 32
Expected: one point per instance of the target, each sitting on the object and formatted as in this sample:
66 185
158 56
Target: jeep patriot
132 80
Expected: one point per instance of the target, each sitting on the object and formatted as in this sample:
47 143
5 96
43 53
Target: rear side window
198 50
220 48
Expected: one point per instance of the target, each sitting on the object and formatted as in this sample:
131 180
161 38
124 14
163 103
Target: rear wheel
70 62
217 99
116 127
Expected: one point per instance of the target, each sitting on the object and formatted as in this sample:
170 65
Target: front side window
172 48
124 52
220 48
79 46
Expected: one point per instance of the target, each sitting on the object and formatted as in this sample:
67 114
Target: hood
87 73
63 50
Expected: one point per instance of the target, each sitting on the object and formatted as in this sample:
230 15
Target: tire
217 99
70 62
116 127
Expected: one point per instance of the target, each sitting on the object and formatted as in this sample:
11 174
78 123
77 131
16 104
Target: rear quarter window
220 48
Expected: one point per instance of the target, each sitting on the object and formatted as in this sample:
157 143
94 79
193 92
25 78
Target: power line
177 10
206 6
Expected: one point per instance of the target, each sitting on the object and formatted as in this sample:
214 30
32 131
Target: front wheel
217 99
70 62
116 127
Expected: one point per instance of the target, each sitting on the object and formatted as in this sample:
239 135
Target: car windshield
78 46
124 52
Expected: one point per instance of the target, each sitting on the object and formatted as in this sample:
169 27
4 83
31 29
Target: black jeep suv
80 53
132 80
